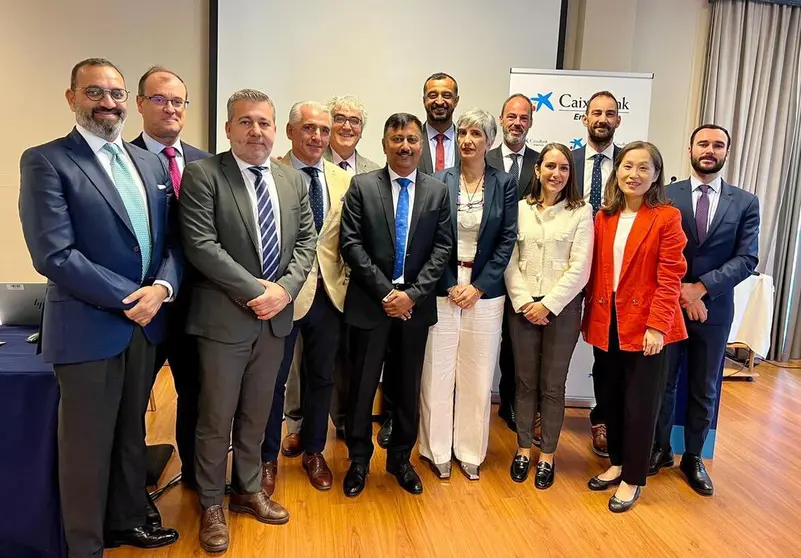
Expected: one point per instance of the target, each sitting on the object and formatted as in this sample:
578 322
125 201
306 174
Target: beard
106 129
446 118
601 135
697 166
509 139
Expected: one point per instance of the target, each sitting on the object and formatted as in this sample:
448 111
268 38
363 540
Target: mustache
101 110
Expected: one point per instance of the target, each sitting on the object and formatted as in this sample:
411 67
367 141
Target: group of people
291 286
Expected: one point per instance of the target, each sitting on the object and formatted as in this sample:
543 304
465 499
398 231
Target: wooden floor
756 510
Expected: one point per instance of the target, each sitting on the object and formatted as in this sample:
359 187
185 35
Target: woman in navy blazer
462 348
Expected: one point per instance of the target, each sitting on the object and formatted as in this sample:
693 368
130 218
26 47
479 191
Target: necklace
467 211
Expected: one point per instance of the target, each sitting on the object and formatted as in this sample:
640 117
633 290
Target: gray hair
252 95
294 112
348 102
479 118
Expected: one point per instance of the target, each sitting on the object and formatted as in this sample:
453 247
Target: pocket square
161 186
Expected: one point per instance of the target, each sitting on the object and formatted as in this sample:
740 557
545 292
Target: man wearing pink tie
440 97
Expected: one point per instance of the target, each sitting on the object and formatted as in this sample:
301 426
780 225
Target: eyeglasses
353 120
162 101
95 93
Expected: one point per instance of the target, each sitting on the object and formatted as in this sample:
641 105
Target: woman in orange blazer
632 311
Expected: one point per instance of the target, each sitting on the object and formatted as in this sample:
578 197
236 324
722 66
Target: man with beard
440 97
721 222
593 164
514 157
94 214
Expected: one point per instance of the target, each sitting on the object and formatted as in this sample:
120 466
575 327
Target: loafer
598 485
619 506
694 469
519 469
660 458
544 476
407 478
355 479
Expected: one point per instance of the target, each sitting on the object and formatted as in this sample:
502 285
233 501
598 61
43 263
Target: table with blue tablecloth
30 520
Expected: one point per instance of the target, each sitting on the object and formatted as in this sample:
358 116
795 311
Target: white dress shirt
320 166
157 147
96 144
351 161
607 165
447 144
624 224
507 158
393 176
250 186
713 193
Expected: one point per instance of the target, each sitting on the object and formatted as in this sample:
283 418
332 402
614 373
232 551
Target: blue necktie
315 197
270 250
401 227
595 185
132 199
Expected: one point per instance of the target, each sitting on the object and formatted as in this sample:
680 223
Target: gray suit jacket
530 156
426 165
363 164
220 236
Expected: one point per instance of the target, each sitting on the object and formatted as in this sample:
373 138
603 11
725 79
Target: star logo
577 143
542 100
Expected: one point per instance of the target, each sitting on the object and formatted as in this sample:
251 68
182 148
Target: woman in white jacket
549 268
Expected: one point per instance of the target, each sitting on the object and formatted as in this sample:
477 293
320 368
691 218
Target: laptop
21 304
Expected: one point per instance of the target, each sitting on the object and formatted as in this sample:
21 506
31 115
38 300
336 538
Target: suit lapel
84 157
335 193
526 172
724 202
578 168
684 203
425 161
284 203
490 186
420 195
452 181
642 224
151 194
234 177
385 191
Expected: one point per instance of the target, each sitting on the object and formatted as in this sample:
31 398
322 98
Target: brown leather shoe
269 471
213 531
599 446
290 446
259 506
320 475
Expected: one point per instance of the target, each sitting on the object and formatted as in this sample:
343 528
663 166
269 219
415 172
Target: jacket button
601 300
635 302
136 249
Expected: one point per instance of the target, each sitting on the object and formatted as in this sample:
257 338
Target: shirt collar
336 159
714 185
506 151
609 152
298 164
432 132
243 166
393 176
95 142
155 146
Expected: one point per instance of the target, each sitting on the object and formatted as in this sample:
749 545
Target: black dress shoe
544 476
660 458
384 433
407 478
598 485
146 536
355 479
519 469
507 413
152 515
693 468
619 506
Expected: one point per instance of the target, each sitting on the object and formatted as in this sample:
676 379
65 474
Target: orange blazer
650 279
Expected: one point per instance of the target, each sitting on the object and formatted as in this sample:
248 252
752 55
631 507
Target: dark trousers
703 352
542 359
506 360
236 386
634 387
101 444
598 413
320 328
369 349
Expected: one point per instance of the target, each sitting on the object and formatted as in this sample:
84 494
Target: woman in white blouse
549 268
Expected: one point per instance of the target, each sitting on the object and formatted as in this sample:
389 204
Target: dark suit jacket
191 153
530 156
497 232
220 237
730 251
578 165
425 164
81 238
367 241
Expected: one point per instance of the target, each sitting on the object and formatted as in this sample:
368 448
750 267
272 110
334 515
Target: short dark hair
615 200
401 120
517 96
711 127
441 75
569 192
156 70
600 94
91 62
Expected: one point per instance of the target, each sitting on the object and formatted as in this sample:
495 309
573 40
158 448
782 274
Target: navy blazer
578 166
80 237
496 236
728 255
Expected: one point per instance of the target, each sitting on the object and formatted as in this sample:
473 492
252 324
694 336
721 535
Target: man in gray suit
348 119
440 97
247 227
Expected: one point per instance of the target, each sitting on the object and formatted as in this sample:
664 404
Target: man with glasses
162 101
94 215
348 119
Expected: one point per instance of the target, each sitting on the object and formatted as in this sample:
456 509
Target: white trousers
456 386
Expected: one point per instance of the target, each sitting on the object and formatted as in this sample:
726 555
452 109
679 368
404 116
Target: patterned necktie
440 154
595 183
702 213
175 174
343 165
514 170
270 250
133 202
401 227
315 197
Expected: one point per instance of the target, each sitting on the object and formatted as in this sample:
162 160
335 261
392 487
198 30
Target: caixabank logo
571 102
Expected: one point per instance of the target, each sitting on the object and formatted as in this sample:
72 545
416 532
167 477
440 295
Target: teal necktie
132 199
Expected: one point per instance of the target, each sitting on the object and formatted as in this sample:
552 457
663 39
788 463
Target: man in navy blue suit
94 215
162 99
721 222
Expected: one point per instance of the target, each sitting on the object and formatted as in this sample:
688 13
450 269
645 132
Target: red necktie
175 174
440 165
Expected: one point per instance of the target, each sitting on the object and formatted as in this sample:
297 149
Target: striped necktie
270 250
